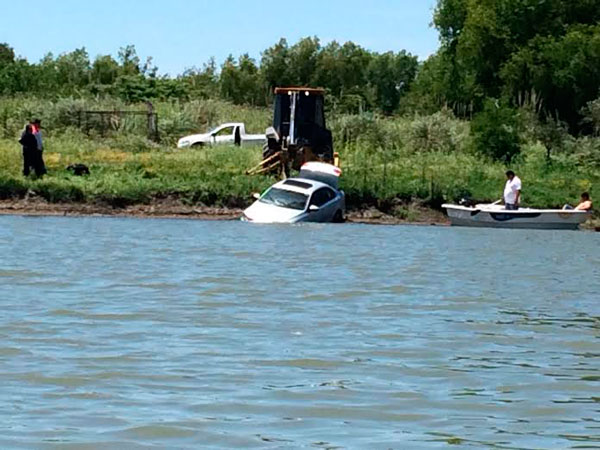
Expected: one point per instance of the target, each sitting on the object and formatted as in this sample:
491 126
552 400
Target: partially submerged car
313 196
227 133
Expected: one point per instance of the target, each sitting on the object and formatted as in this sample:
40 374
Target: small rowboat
495 216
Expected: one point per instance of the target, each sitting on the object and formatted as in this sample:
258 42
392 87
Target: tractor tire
267 151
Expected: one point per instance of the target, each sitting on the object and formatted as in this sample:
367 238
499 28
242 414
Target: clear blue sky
180 34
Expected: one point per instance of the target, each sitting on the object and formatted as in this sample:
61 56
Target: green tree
493 48
17 77
7 55
275 65
303 57
201 83
561 74
240 82
130 61
496 132
7 60
343 71
73 71
105 70
390 76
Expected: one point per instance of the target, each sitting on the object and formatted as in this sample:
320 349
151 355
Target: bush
364 128
439 132
57 190
496 132
12 188
586 151
591 116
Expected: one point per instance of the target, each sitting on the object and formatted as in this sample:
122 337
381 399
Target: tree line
356 79
542 54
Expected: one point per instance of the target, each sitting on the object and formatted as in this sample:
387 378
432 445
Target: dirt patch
159 208
413 214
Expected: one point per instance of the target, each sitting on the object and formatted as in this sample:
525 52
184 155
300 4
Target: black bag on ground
78 169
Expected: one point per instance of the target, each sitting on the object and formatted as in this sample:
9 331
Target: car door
331 205
224 135
324 199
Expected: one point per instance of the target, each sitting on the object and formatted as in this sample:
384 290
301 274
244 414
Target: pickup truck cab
227 133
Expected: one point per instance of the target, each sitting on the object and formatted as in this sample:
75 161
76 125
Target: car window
322 196
227 131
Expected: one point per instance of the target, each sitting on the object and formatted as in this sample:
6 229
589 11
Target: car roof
294 185
228 124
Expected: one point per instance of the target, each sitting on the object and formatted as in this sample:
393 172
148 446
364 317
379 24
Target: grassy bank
389 164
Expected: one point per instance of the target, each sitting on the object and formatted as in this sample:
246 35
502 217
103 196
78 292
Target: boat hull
497 217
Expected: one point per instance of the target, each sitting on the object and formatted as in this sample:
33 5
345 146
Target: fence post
152 123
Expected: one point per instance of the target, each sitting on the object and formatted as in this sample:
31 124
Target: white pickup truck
228 133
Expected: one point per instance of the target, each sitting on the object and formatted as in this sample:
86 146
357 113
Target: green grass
212 176
386 162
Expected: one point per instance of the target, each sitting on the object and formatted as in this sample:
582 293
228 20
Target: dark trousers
32 159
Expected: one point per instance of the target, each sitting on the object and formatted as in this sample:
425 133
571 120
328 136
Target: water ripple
123 333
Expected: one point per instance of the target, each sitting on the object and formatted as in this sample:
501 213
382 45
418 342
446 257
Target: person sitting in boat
584 205
512 191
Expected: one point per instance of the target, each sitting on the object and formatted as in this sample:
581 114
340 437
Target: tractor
298 134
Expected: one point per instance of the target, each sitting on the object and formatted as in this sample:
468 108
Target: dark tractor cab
299 133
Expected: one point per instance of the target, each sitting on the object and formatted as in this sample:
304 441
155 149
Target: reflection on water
124 333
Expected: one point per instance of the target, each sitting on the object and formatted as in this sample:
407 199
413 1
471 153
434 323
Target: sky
182 34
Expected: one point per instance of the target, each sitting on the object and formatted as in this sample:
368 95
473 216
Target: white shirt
510 190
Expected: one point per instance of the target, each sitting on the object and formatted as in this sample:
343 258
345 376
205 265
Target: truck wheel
198 144
338 217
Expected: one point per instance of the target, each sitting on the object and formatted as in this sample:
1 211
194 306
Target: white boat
495 216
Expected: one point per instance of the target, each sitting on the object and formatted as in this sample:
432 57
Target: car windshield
285 199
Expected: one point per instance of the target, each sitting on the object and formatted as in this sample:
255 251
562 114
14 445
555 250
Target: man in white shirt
512 191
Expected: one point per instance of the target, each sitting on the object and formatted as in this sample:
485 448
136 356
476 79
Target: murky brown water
125 333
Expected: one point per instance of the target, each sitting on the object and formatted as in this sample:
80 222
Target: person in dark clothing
36 129
30 152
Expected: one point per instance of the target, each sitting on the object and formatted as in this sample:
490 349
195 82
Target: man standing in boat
512 191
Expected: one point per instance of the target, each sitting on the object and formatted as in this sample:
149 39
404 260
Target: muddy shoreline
171 209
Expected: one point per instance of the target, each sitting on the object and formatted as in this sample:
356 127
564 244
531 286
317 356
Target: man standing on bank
30 149
40 167
512 191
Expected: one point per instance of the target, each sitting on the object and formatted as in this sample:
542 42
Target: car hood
260 212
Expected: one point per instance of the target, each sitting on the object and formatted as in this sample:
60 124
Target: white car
311 197
228 133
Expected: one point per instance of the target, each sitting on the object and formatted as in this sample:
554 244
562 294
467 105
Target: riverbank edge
174 209
169 209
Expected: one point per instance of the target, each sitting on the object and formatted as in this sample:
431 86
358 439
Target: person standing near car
512 191
40 167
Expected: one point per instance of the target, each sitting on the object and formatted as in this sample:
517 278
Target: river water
145 333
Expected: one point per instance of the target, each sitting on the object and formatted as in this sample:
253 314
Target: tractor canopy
299 133
300 108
